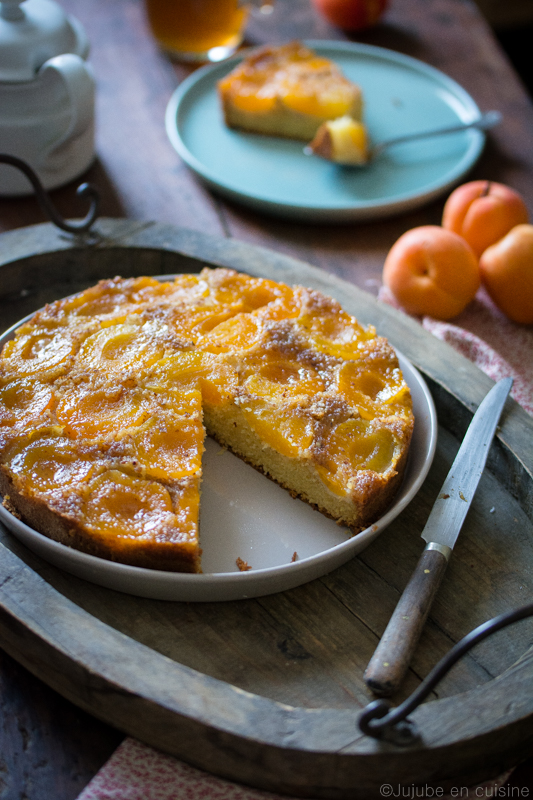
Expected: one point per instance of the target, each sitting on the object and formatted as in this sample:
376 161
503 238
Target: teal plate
272 175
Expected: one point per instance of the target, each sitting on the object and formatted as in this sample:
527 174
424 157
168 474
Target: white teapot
46 95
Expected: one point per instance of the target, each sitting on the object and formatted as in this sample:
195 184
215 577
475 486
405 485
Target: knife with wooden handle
392 657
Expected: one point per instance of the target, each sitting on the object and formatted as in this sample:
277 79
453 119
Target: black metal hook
381 721
85 190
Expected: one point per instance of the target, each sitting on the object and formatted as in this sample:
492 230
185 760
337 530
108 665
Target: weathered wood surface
49 747
172 674
140 177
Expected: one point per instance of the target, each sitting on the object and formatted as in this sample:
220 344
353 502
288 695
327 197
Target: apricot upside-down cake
287 91
104 397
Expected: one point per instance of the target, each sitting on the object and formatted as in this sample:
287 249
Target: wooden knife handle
393 654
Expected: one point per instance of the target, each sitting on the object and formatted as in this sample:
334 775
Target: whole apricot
432 271
352 15
482 212
507 273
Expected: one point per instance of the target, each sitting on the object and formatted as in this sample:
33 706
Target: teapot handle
79 83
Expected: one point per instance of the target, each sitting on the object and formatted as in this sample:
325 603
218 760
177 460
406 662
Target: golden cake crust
287 91
106 396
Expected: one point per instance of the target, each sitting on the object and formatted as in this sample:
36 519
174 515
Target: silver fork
482 123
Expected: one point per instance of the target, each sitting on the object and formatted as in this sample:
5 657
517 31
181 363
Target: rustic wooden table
48 748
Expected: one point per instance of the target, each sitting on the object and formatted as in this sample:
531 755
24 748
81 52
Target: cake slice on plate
287 91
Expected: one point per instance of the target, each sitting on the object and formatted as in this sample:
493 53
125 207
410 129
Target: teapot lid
33 31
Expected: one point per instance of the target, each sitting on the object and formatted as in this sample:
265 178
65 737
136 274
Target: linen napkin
500 348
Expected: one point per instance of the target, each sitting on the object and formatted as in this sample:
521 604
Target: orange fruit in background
507 273
352 15
482 212
432 271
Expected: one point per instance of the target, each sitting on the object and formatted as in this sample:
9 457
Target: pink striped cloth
484 335
136 772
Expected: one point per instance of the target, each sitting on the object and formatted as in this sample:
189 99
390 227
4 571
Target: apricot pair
485 238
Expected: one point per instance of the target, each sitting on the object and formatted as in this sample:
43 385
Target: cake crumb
294 556
443 496
243 565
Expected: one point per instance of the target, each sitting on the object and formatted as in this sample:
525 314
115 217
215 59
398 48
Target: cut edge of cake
358 508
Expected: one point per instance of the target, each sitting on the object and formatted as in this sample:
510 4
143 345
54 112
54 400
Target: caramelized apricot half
193 369
124 506
282 380
23 401
119 348
288 433
88 410
40 352
355 446
170 446
48 463
169 449
331 330
238 333
190 323
373 392
112 297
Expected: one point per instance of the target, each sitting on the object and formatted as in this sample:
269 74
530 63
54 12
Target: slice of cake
287 91
343 140
106 397
109 467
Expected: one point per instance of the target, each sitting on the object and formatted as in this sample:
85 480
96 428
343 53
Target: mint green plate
272 175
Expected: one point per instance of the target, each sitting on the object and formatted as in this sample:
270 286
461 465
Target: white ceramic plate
272 175
245 515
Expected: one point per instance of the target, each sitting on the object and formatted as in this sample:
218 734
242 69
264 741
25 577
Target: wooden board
267 692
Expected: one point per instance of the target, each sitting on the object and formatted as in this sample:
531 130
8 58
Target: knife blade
391 659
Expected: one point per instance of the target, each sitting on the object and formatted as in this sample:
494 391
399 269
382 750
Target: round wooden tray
267 692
